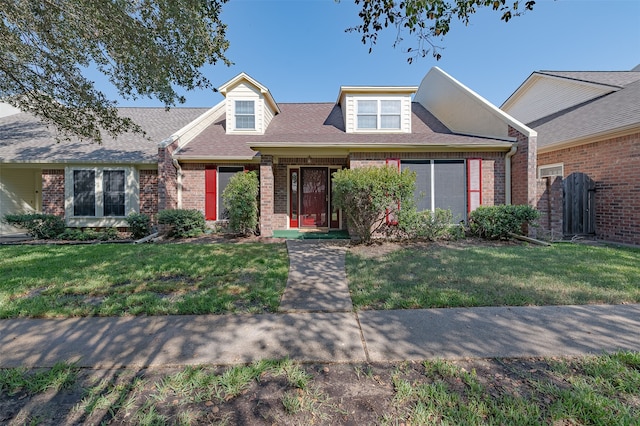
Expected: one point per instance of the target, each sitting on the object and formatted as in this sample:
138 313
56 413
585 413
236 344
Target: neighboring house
588 125
466 153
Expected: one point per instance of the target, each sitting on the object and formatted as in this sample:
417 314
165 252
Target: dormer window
379 114
245 115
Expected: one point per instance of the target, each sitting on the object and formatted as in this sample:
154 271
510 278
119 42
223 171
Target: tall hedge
370 196
240 198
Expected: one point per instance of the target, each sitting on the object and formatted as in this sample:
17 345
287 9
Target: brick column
266 196
167 177
523 169
53 192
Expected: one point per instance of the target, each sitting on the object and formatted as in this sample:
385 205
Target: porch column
266 196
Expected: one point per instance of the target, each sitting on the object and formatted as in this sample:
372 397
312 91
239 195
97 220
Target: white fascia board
476 99
218 157
191 130
375 90
224 89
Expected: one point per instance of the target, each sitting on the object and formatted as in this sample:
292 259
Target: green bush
368 196
139 225
182 223
79 234
428 225
37 225
496 222
240 198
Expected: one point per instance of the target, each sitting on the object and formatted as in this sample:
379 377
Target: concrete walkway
317 279
319 325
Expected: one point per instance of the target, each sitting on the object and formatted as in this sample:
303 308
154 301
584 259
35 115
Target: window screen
440 184
113 192
450 187
245 115
84 193
224 175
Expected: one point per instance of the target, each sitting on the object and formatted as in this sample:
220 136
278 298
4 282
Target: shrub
240 198
183 223
496 222
37 225
139 225
368 196
78 234
428 225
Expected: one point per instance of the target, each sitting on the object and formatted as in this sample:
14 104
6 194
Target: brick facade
193 178
614 165
167 178
53 192
493 177
549 205
524 170
266 196
149 192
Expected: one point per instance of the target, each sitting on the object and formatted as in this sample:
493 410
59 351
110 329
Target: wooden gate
579 210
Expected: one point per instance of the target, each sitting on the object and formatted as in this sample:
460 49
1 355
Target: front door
314 197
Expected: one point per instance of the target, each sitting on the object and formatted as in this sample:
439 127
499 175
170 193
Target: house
465 151
588 125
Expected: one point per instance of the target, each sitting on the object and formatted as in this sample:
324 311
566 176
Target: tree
147 48
425 19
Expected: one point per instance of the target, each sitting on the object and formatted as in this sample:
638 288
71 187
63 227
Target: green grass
588 390
114 280
495 276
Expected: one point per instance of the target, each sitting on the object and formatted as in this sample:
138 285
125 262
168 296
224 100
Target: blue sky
300 51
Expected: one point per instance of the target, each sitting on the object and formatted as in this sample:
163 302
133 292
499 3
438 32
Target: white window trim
379 115
131 199
551 166
255 116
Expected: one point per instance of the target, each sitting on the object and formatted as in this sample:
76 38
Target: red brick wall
493 181
167 178
149 192
53 192
549 204
193 194
523 170
614 164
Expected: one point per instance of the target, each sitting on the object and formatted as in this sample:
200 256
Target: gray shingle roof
24 138
609 78
312 124
613 111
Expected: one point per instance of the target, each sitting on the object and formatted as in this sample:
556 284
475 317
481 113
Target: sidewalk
308 336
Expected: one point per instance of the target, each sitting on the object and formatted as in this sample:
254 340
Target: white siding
350 112
19 193
547 95
246 92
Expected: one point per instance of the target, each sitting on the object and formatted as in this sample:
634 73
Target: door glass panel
314 197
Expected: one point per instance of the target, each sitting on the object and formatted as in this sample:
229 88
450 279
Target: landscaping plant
497 222
182 223
39 226
371 196
240 198
139 225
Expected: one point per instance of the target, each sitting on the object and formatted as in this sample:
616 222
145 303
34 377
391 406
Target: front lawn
116 279
436 276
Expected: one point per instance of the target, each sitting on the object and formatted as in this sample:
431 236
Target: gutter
178 182
507 173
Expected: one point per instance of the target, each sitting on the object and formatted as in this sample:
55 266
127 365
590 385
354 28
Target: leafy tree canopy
425 19
145 47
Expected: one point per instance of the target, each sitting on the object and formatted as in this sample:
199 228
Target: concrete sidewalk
319 325
322 337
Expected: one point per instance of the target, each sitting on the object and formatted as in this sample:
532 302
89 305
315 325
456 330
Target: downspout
507 173
178 182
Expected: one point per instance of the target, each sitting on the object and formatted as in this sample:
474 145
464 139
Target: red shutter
391 219
210 177
474 183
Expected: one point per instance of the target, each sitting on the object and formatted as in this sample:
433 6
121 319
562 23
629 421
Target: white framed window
100 196
379 114
245 115
550 170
